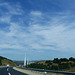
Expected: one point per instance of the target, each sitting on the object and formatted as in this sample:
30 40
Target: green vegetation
1 58
62 64
4 61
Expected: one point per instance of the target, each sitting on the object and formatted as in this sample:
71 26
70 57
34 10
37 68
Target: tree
53 67
56 60
64 66
72 59
64 60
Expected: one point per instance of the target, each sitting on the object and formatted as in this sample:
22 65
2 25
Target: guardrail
52 71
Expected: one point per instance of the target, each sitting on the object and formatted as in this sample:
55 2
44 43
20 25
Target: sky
39 29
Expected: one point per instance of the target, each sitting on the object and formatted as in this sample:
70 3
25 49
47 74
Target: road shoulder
29 72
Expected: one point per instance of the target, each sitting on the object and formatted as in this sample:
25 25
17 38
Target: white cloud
8 10
56 31
36 13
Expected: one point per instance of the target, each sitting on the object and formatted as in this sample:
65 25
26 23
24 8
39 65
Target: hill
4 61
22 62
62 64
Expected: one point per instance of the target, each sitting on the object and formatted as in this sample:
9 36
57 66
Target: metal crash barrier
52 72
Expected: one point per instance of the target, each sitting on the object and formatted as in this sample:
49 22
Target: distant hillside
62 64
19 62
4 61
22 62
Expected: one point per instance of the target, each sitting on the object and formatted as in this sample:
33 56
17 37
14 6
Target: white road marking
9 73
7 69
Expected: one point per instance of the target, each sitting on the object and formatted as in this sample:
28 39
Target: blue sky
41 29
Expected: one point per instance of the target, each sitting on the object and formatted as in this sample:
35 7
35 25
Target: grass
71 69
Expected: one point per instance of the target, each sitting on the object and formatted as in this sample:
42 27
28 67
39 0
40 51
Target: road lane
14 72
10 71
3 71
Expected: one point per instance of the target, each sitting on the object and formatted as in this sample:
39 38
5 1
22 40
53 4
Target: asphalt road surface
9 71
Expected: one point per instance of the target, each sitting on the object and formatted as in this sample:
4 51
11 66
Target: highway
9 71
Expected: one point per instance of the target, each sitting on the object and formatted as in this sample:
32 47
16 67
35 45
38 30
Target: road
9 71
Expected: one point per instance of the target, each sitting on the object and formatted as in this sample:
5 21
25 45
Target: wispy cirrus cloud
35 30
